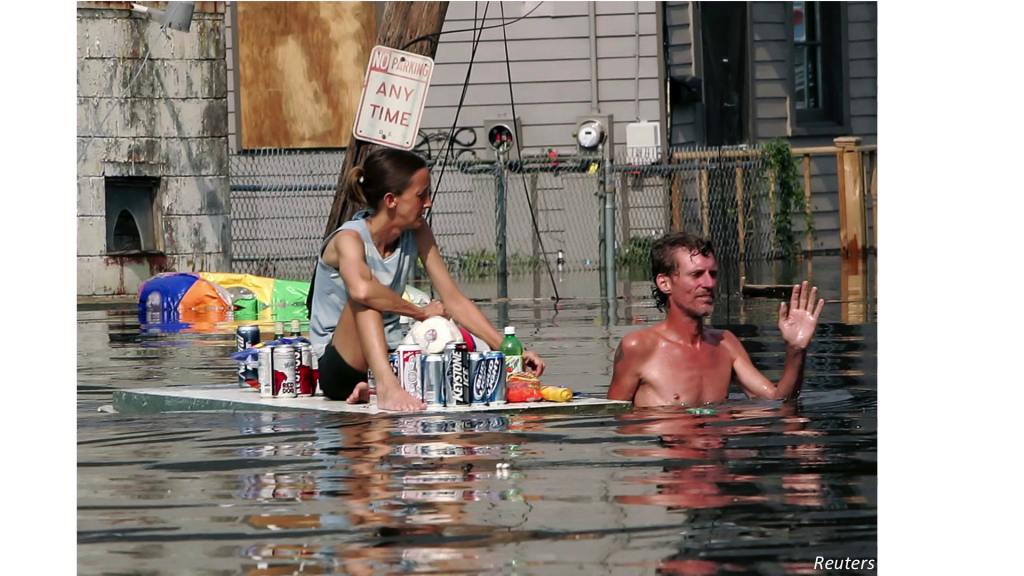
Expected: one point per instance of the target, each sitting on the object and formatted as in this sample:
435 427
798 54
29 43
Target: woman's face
411 205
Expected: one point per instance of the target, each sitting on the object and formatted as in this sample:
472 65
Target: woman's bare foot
359 395
391 396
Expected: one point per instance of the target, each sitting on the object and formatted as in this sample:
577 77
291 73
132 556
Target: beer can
456 374
393 358
474 364
304 369
489 381
265 371
316 372
409 360
284 372
433 379
370 380
246 337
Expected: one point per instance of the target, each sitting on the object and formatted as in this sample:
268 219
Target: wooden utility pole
401 23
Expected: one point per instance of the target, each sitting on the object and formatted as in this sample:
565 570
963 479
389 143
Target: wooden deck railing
853 181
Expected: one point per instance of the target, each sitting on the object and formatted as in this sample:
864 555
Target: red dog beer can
409 359
304 369
285 381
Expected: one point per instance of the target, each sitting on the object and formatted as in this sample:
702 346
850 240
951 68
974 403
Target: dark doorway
723 27
126 234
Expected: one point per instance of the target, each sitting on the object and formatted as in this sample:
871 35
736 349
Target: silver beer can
285 373
433 379
456 374
265 371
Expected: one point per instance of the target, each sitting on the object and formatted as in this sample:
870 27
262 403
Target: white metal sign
394 92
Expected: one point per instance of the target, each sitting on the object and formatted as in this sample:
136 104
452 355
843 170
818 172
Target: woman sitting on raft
360 276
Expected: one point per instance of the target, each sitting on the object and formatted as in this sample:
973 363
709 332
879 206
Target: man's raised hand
797 323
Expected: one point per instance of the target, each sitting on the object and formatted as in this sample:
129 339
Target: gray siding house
711 73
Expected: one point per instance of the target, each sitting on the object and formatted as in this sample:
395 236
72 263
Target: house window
817 63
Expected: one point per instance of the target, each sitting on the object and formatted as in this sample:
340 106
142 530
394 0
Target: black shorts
337 378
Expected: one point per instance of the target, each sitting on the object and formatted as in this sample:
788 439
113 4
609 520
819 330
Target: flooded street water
759 486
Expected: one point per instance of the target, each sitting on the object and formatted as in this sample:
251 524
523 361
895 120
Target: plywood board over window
301 67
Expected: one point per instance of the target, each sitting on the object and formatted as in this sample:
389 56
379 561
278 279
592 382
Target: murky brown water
760 486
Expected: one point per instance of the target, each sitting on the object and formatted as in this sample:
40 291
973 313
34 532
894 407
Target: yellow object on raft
556 393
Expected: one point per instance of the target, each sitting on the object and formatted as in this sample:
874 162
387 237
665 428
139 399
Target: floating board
231 397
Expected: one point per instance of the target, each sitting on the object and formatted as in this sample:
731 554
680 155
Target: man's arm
462 309
626 369
360 283
755 384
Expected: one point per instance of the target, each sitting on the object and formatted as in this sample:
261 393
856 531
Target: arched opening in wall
131 215
126 233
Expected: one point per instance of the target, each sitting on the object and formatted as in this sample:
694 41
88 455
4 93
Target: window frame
835 120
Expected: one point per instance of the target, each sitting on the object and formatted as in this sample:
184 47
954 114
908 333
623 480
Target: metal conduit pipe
592 14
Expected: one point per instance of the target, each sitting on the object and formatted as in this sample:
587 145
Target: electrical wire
519 152
149 49
474 29
115 105
462 99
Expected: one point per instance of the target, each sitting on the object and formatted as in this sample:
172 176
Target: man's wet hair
663 262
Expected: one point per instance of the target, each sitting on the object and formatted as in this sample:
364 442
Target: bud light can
285 381
265 371
246 337
304 369
489 379
433 379
409 359
456 374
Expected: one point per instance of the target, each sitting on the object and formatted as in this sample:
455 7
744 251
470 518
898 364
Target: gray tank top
330 294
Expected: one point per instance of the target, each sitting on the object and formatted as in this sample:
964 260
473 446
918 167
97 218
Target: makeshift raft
230 397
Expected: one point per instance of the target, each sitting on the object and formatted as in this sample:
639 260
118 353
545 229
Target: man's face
692 288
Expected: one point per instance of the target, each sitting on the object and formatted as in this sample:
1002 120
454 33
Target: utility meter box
592 131
643 142
496 133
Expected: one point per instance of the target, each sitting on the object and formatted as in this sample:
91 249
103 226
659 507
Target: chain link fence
281 199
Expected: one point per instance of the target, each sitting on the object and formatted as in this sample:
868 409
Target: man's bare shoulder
640 341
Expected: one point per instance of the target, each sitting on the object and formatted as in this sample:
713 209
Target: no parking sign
394 93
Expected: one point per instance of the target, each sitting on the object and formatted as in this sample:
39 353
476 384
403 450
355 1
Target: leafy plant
637 253
789 197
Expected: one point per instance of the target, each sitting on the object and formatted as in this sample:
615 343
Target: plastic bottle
513 351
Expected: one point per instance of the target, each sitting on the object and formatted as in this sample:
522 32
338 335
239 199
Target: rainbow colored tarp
199 301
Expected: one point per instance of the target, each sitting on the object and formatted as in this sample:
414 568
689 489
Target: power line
519 151
474 29
462 99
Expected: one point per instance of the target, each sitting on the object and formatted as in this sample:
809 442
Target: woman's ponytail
355 186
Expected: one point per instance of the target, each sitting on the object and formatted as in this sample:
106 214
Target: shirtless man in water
679 361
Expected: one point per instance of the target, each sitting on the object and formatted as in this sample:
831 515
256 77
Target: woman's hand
532 363
434 308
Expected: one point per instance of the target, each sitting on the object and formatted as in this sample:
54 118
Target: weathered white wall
171 124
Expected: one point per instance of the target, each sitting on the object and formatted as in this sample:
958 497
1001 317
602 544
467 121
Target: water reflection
756 487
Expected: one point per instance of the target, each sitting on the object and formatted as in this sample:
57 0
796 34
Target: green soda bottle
513 351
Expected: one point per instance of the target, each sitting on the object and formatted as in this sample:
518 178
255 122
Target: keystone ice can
409 359
456 374
433 379
285 384
246 337
266 371
489 379
304 369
